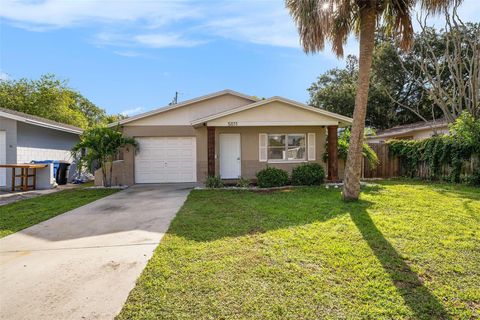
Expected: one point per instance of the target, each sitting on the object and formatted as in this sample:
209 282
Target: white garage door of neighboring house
166 159
3 158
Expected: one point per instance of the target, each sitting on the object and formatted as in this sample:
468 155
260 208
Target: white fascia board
39 123
183 104
338 117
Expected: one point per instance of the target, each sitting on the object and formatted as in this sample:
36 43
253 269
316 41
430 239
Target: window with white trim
286 147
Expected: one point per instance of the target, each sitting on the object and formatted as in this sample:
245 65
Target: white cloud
4 76
147 40
132 112
269 25
161 24
128 53
66 13
165 40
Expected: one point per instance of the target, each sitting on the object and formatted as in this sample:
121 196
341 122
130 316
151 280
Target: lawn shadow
232 214
416 296
473 194
447 189
210 215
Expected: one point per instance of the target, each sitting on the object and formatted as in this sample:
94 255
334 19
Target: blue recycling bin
56 165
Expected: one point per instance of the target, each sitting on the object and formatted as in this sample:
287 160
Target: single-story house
414 131
25 137
226 134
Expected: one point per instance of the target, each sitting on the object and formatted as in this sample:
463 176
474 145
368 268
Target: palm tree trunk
351 187
111 171
104 173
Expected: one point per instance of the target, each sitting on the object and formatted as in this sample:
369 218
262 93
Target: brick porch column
211 151
332 139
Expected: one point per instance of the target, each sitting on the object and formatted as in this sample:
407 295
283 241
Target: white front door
166 159
230 161
3 158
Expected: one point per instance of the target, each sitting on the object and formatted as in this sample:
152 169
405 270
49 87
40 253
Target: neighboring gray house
24 138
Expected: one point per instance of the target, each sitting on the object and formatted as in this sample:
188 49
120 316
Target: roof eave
182 104
341 119
40 123
403 133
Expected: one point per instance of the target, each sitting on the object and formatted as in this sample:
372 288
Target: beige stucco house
414 131
229 134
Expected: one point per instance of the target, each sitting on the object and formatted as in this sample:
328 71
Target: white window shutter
311 146
262 147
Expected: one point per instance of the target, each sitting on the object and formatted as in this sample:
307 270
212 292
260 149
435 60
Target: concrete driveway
82 264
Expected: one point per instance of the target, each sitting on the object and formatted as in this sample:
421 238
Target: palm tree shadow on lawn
416 296
213 227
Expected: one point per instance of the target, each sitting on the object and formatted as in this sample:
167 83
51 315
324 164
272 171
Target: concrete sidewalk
83 264
7 197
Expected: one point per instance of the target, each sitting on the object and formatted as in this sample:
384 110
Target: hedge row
307 174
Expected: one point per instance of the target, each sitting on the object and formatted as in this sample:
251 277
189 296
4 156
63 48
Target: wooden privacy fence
391 166
388 166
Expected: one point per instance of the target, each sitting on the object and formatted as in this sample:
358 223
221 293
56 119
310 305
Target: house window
286 147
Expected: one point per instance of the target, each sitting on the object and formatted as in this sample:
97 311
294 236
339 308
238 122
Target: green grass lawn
405 251
25 213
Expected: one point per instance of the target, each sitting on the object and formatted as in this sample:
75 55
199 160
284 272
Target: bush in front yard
213 182
243 182
308 174
272 177
474 179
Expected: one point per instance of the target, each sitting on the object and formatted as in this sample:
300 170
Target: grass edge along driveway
25 213
405 251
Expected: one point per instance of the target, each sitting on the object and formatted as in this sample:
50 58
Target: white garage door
166 159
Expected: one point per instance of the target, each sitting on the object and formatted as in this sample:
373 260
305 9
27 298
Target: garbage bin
55 163
61 177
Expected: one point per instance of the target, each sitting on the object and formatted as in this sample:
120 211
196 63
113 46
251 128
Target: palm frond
319 21
437 6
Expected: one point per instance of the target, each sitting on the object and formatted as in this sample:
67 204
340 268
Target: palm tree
319 21
101 145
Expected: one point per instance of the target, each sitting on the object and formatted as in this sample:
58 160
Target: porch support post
332 153
211 151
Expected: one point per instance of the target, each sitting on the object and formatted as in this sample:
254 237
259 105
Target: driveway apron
82 264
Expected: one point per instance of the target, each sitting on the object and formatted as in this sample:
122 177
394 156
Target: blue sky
132 55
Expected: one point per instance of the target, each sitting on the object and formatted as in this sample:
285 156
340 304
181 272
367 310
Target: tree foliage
101 145
335 90
437 151
334 21
367 151
51 98
404 86
342 148
466 131
445 65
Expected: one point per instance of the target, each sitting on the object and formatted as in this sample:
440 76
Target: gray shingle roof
17 115
403 129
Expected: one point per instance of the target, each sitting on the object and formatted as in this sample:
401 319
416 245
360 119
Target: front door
230 162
